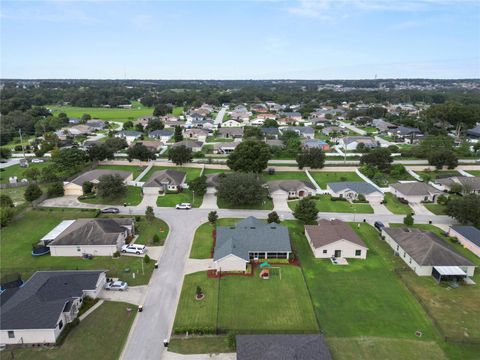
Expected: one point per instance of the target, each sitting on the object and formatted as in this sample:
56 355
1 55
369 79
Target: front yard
324 204
267 204
437 209
323 178
19 236
101 335
132 197
395 206
203 240
186 196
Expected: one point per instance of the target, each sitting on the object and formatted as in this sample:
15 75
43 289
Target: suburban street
220 115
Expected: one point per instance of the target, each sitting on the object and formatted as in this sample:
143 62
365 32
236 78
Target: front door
338 253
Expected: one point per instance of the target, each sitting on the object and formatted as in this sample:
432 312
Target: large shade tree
249 156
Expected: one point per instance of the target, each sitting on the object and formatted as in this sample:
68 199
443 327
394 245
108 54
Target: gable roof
38 303
269 131
282 347
160 133
470 233
426 248
415 188
133 133
166 177
289 185
92 232
472 182
188 143
94 175
330 231
360 187
250 234
367 140
235 131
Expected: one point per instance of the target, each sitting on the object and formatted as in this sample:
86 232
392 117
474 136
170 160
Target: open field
101 335
192 173
186 196
323 178
135 170
265 205
203 240
395 206
324 204
108 114
133 197
285 175
17 193
16 170
19 236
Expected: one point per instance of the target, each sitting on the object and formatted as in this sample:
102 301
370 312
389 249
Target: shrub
408 220
87 187
6 215
146 259
232 340
116 254
273 218
32 192
55 190
63 335
6 201
198 291
138 218
361 197
156 238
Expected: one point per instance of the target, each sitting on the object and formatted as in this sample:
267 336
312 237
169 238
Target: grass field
395 206
186 196
135 170
265 205
437 209
285 175
192 173
17 193
101 335
200 345
323 178
473 172
115 114
19 236
324 204
259 306
203 240
215 171
16 170
133 197
177 111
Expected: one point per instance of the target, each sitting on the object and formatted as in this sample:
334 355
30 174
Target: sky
324 39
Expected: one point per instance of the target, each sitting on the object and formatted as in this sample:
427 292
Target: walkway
220 115
209 199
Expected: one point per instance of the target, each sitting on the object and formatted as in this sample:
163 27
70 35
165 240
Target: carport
448 273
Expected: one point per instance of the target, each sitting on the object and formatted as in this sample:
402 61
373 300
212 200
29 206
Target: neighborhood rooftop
359 187
329 231
94 175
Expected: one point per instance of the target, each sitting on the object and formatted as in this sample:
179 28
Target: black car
110 211
379 225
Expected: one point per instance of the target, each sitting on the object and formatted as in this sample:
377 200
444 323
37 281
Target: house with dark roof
249 240
232 132
74 187
306 132
415 191
98 237
351 142
282 347
406 133
468 236
96 124
334 238
270 132
162 135
129 135
474 132
285 189
37 312
351 189
225 147
427 254
315 144
470 184
195 146
164 181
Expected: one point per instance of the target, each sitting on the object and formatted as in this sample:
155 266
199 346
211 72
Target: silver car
116 285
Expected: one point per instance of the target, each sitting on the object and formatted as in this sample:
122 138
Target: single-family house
195 146
98 237
270 132
335 238
153 145
427 254
74 121
474 132
37 312
406 133
164 181
382 125
351 142
288 189
257 122
206 124
351 189
266 116
415 191
240 115
294 116
96 124
468 236
249 240
275 143
306 132
196 134
315 144
232 123
213 180
163 135
225 147
129 135
144 120
232 132
259 108
74 187
469 184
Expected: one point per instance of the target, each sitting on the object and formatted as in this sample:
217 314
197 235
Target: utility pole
21 142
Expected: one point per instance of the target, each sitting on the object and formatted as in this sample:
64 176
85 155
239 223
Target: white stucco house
285 189
129 135
351 189
351 142
232 123
415 191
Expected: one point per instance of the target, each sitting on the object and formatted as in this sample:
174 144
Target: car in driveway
110 211
379 225
116 285
134 249
183 206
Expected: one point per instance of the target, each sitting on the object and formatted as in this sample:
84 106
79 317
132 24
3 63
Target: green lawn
203 240
115 114
135 170
19 236
364 298
186 196
324 204
17 193
439 174
133 197
192 173
16 170
322 178
395 206
437 209
101 335
285 175
215 171
219 139
265 205
248 304
177 111
473 172
200 345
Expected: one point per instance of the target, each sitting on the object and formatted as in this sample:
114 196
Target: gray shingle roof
471 233
188 143
250 234
471 182
159 133
415 188
96 174
40 301
359 187
282 347
269 131
367 140
289 185
328 232
426 248
130 133
167 177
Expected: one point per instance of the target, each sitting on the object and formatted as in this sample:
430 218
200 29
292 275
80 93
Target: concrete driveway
380 208
149 200
134 295
196 265
419 209
222 356
280 203
70 201
209 199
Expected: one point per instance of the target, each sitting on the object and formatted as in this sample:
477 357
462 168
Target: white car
134 249
116 285
183 206
36 161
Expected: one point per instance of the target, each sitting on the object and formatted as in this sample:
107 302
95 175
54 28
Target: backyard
285 175
135 170
16 170
192 173
19 236
101 335
132 197
395 206
185 196
108 114
267 204
325 204
438 174
203 240
322 178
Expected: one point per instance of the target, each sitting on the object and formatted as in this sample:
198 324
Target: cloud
275 43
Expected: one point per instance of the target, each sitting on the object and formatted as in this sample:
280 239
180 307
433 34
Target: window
404 254
398 247
60 325
78 248
358 252
324 251
11 334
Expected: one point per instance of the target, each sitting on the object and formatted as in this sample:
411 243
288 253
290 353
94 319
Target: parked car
37 161
379 225
110 211
183 206
116 285
134 249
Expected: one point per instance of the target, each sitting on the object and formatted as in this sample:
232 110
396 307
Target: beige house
334 238
285 189
351 189
98 237
37 312
468 236
195 146
469 184
74 187
415 191
164 181
196 134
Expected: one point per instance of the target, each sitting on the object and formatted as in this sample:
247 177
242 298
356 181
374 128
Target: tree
408 220
273 217
311 157
5 153
69 161
111 187
155 124
149 214
139 127
161 110
198 185
6 215
241 189
433 143
6 201
249 156
140 152
379 157
116 143
100 152
55 190
178 135
250 132
87 187
212 217
85 118
32 192
270 123
128 125
32 173
306 210
440 158
465 209
180 155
